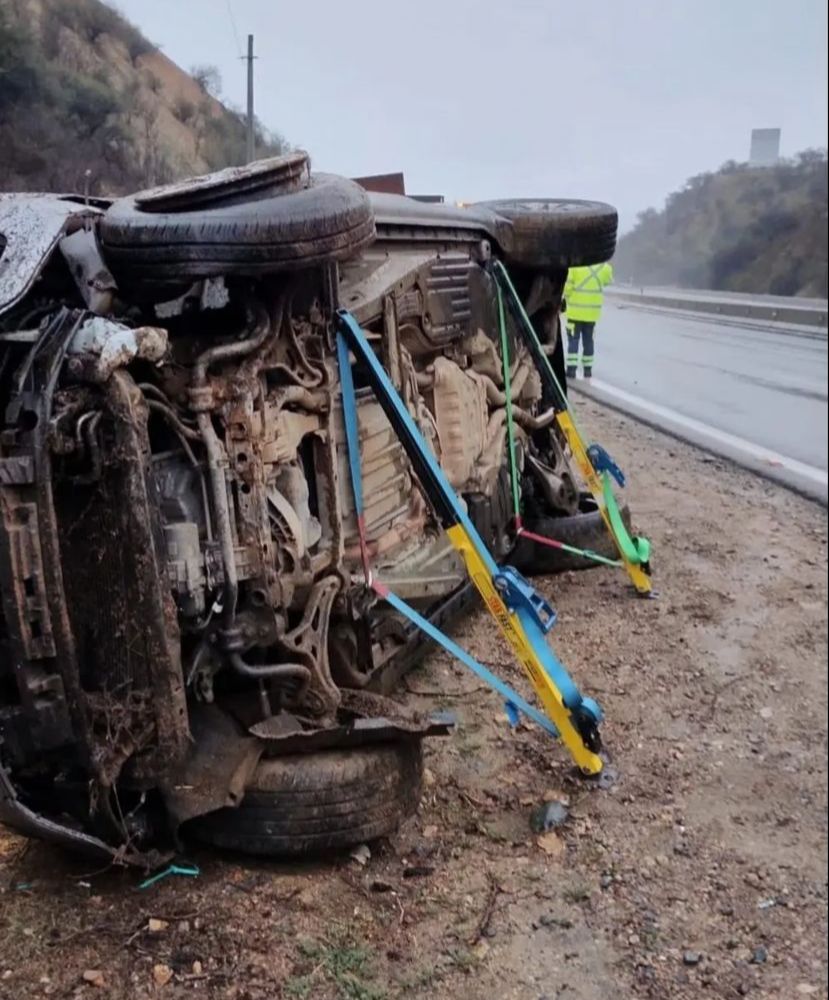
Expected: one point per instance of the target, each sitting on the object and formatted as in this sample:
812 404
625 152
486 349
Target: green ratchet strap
515 483
505 361
593 462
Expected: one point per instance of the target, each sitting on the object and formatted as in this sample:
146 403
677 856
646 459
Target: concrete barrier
810 313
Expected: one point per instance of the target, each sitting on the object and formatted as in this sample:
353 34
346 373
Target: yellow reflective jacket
584 292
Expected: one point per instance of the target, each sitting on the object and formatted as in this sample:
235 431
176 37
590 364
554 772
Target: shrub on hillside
739 229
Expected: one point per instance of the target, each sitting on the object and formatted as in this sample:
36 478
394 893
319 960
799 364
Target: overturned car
187 646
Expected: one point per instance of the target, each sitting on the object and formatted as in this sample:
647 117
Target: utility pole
251 138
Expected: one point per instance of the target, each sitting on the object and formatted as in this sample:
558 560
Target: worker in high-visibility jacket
584 294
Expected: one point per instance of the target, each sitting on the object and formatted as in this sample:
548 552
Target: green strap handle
635 550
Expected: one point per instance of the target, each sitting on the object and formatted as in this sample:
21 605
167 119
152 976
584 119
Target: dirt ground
701 873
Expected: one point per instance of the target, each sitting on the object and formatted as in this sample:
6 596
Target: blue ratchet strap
513 702
535 615
352 441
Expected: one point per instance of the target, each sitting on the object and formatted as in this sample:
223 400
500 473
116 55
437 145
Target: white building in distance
765 147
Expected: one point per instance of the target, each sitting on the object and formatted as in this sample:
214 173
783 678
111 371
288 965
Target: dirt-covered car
187 645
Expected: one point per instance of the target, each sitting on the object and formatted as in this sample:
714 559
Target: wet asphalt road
761 389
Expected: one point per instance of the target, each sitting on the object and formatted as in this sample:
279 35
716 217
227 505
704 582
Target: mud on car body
186 643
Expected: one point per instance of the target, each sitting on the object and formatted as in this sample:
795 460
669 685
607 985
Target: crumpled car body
182 596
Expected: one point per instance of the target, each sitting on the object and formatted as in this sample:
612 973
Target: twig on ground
489 909
723 687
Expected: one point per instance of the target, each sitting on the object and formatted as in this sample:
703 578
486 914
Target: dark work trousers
583 331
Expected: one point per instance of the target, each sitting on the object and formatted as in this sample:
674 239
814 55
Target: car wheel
330 218
550 233
305 804
586 530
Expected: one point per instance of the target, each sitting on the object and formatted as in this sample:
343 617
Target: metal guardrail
808 312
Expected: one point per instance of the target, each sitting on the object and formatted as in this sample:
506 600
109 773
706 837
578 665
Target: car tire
304 804
551 233
328 219
583 531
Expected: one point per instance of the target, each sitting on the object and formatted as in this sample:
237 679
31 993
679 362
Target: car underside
185 623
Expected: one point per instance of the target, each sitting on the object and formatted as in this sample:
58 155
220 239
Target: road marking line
770 458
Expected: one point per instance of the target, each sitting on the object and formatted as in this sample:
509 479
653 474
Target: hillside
739 229
82 89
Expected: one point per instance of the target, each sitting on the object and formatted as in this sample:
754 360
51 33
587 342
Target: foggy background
478 100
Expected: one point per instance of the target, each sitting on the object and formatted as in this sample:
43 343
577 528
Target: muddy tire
584 531
553 234
328 219
306 804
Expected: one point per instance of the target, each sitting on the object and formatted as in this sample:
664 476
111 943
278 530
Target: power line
250 143
235 30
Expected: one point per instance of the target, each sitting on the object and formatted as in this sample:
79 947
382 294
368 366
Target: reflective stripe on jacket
584 292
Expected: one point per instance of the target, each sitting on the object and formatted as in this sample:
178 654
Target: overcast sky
615 101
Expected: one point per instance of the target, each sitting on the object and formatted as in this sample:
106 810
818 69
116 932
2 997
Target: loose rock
549 816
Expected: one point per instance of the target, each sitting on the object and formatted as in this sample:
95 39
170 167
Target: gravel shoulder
700 873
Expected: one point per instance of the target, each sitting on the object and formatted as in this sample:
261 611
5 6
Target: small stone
380 885
361 854
691 958
428 777
759 955
417 871
155 926
306 898
198 968
551 844
95 978
480 949
606 881
162 974
806 989
549 816
429 832
766 712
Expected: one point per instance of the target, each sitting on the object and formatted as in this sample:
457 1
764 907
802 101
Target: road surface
757 397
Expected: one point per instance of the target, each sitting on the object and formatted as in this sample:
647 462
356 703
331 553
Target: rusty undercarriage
184 624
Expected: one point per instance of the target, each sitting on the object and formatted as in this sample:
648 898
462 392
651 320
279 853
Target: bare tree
208 78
